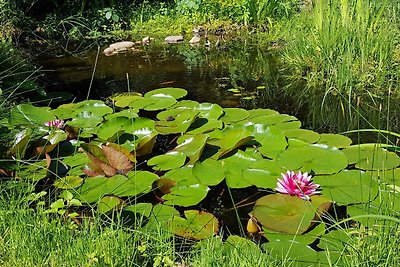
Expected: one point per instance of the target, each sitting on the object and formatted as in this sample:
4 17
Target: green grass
30 237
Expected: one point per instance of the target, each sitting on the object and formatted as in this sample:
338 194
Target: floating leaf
334 140
170 91
305 239
108 203
232 140
113 126
137 182
262 173
284 213
127 113
348 186
179 125
234 166
85 119
203 125
26 114
371 158
124 100
198 225
168 161
271 138
303 134
186 195
282 121
299 254
234 115
192 147
68 182
209 111
318 158
143 209
56 136
209 172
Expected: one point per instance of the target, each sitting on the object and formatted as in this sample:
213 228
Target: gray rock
174 39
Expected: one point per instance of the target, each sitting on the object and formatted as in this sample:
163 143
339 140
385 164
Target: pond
234 74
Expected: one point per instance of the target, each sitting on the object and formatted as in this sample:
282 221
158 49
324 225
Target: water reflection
209 75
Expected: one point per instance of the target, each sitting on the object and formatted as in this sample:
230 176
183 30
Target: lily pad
303 134
282 121
371 158
348 186
232 140
234 166
318 158
26 114
198 225
334 140
209 172
170 91
271 138
143 209
113 126
284 213
68 182
85 119
262 173
108 203
178 125
209 111
168 161
192 147
124 100
186 193
95 107
203 125
234 115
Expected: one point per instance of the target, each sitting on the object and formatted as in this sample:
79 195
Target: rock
174 39
195 40
118 47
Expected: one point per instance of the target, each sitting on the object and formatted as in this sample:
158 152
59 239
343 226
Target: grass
31 237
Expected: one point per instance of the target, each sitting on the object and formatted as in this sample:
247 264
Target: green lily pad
371 158
108 203
282 121
391 177
68 182
232 140
209 172
94 188
128 113
348 186
184 189
234 115
198 225
262 173
33 172
137 182
304 239
56 136
78 159
186 195
303 134
261 112
318 158
203 125
95 107
284 213
170 91
209 111
113 126
168 161
178 125
234 166
85 119
26 114
334 140
299 254
193 147
170 113
271 138
124 100
143 209
186 104
160 216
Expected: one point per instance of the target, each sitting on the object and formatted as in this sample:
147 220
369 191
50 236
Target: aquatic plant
55 123
297 184
184 151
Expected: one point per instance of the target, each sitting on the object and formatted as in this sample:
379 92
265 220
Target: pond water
235 74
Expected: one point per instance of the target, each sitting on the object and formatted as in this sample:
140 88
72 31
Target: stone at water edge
118 47
174 39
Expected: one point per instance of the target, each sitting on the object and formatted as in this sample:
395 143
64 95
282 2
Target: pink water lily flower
55 123
297 184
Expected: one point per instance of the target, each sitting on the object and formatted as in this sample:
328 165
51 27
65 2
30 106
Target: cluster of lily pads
111 154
